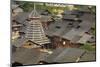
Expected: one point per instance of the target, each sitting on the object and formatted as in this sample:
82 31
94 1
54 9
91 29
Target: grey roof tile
64 55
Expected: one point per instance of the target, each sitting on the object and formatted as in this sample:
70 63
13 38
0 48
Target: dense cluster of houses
71 31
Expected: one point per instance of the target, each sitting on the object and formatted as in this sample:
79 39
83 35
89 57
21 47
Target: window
78 27
58 27
29 44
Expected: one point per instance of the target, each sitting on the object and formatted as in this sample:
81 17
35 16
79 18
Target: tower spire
34 13
34 8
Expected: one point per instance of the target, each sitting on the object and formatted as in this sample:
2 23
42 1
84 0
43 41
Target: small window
88 42
29 44
28 19
87 32
58 27
79 21
92 37
70 24
78 27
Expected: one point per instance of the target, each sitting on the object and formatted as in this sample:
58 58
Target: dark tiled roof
18 42
21 17
89 56
27 56
64 55
72 32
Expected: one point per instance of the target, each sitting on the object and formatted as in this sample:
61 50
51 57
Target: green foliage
78 6
27 6
93 29
88 47
93 9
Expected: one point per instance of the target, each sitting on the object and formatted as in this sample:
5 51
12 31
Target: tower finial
34 6
34 13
